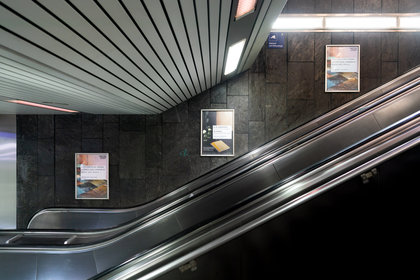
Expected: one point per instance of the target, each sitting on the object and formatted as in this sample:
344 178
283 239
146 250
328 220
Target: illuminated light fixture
410 22
361 22
304 22
244 8
234 54
347 23
27 103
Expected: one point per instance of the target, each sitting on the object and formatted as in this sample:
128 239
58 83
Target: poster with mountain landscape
342 69
92 178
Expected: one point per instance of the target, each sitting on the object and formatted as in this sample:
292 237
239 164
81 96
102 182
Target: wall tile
342 38
322 6
256 96
241 144
409 54
176 114
275 110
300 6
256 136
296 114
45 126
218 94
238 85
45 191
390 6
389 71
389 46
367 6
259 64
133 191
46 157
133 123
300 80
409 6
301 46
240 104
276 62
342 6
92 126
111 142
154 146
68 121
370 54
321 40
92 146
132 155
195 104
111 118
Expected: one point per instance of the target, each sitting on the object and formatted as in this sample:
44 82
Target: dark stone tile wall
153 155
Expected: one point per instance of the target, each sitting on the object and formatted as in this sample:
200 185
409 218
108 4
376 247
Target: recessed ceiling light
361 22
304 22
234 54
410 22
27 103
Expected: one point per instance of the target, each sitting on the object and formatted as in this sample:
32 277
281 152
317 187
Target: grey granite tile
92 146
240 104
367 84
111 142
342 38
390 6
408 51
133 123
26 180
176 114
301 46
321 98
238 85
256 96
218 106
300 7
338 99
45 126
114 187
152 120
299 112
390 46
46 157
132 155
367 6
133 192
65 193
322 6
46 191
68 121
218 94
256 136
92 126
111 118
67 143
321 40
259 64
153 185
342 6
409 6
389 71
241 144
65 170
195 104
276 64
275 110
154 146
370 54
300 80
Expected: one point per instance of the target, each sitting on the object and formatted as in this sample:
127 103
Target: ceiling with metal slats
121 56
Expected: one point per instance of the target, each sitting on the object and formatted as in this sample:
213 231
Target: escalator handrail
262 153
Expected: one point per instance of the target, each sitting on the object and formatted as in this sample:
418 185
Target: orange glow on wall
245 7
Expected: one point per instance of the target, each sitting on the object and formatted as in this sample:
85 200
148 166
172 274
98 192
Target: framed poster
342 68
217 132
92 178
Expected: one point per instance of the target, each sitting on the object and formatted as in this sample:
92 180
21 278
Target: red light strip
27 103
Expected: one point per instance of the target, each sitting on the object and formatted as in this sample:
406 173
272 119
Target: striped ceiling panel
121 56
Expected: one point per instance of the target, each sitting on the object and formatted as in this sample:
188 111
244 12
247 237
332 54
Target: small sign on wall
217 132
342 68
92 178
276 40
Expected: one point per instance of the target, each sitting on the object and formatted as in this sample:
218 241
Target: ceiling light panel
244 8
234 54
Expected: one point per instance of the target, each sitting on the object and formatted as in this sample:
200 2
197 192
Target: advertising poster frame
217 132
91 176
342 68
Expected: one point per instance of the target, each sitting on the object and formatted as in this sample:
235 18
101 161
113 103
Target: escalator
147 241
